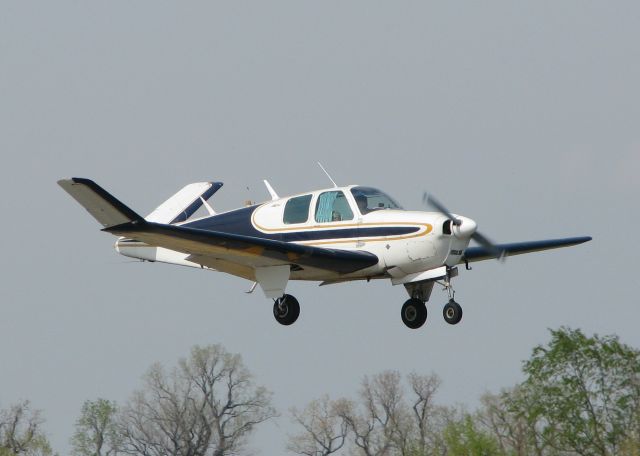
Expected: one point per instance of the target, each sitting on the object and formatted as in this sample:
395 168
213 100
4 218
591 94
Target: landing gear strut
286 310
414 313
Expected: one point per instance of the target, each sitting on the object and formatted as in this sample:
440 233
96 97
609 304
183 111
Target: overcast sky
522 115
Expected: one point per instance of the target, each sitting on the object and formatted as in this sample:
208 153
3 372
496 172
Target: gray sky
523 116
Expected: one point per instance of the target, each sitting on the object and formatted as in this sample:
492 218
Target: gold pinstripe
428 226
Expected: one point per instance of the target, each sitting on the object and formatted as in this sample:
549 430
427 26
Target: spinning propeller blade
430 200
485 242
476 236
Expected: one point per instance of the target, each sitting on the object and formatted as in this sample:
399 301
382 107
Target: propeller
475 235
431 201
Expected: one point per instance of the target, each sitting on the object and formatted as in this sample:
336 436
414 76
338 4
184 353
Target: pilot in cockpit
361 200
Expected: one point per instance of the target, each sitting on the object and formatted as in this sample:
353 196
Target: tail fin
183 204
103 206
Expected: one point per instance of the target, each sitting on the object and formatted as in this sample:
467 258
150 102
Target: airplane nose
466 229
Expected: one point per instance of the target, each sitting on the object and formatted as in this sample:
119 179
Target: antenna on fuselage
325 171
272 192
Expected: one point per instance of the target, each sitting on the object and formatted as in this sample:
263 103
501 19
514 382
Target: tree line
580 396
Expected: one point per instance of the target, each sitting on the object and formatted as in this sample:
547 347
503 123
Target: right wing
518 248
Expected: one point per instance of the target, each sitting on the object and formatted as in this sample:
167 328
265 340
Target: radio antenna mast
325 171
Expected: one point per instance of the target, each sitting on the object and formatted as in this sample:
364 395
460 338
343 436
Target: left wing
244 250
518 248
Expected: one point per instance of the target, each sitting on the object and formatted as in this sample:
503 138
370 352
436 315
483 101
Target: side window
333 207
297 210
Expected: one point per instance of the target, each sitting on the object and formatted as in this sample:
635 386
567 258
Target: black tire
286 310
414 313
452 312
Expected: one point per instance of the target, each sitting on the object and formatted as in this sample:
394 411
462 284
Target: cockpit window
333 207
371 199
297 210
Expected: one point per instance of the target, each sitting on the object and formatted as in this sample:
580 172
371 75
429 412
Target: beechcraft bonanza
334 235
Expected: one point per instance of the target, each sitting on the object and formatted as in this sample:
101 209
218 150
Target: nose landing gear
452 312
414 310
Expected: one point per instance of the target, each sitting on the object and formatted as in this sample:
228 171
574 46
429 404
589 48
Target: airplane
332 235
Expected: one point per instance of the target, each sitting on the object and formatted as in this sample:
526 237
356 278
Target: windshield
371 199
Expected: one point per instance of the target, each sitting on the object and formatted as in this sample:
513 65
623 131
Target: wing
209 247
518 248
244 250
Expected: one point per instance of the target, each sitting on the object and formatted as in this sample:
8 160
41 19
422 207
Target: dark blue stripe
237 221
347 233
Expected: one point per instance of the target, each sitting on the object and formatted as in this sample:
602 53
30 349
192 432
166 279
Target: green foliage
464 437
39 446
584 392
96 433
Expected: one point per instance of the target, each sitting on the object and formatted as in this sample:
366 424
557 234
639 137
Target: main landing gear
414 313
414 310
286 310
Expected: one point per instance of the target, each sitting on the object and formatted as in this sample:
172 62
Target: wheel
452 312
414 313
286 310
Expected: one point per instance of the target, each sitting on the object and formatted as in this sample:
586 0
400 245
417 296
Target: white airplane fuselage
405 242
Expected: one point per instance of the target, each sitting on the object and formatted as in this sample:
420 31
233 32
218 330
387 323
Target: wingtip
74 180
83 180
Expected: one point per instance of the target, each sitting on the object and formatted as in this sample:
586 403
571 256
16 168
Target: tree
425 413
207 405
463 437
21 432
513 420
324 430
384 420
584 393
96 433
377 422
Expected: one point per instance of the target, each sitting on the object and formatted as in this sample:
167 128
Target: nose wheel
286 310
452 312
